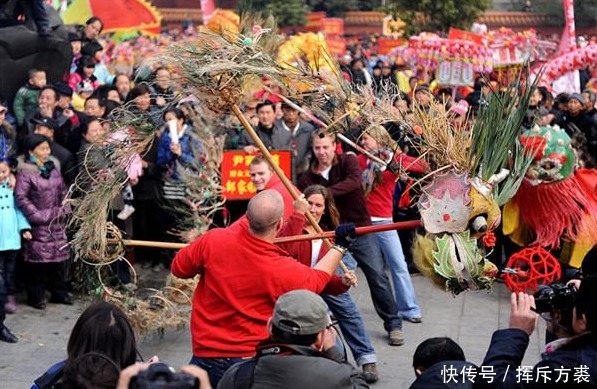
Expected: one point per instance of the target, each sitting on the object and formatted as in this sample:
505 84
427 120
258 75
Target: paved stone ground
469 319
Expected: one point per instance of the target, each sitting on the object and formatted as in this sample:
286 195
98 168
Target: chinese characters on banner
385 45
455 33
236 179
315 21
333 26
456 73
333 29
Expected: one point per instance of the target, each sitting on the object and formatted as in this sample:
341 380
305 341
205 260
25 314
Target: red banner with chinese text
336 46
333 26
455 33
385 45
236 179
315 21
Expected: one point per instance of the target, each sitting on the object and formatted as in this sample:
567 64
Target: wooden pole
285 239
325 126
360 231
287 184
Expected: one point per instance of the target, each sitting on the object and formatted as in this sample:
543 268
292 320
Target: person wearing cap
300 141
68 135
39 193
576 119
300 352
47 107
47 127
242 275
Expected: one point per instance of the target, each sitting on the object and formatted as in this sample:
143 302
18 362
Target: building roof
493 19
497 19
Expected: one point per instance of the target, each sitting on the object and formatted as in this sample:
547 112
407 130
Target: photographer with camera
568 361
300 353
147 375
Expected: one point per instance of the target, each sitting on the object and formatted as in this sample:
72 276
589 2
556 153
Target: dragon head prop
554 158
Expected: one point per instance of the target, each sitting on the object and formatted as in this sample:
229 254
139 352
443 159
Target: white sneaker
126 212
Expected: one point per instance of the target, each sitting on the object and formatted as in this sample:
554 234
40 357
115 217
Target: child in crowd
83 91
25 102
84 72
95 50
76 43
14 226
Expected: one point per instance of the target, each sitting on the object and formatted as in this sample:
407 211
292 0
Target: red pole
360 231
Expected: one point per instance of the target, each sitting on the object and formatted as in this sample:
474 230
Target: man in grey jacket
300 353
301 139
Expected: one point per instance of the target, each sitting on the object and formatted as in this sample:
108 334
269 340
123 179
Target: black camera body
555 297
162 376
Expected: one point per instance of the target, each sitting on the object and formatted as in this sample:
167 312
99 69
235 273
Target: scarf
372 173
45 168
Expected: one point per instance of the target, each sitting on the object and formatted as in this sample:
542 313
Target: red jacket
276 184
241 278
301 251
379 200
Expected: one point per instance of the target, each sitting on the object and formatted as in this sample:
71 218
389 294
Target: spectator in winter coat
25 102
40 192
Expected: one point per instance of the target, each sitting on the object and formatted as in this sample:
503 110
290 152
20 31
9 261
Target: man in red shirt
263 177
242 275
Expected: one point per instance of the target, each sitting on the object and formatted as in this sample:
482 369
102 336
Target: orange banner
455 33
336 46
236 179
333 26
385 45
315 21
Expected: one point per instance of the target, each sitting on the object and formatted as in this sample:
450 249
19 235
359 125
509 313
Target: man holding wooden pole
341 174
242 275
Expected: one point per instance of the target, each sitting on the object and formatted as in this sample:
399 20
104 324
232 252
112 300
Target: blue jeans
367 253
390 246
352 326
215 367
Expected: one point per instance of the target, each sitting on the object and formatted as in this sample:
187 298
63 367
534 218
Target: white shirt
326 173
315 248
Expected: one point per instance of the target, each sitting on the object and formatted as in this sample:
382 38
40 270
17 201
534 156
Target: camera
160 375
555 297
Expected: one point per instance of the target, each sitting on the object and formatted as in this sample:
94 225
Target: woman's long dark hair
331 218
103 328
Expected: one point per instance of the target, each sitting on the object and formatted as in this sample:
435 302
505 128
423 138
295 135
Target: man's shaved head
264 211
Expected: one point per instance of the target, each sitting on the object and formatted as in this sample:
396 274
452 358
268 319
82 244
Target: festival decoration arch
566 63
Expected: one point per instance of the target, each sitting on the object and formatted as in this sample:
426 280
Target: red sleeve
412 164
335 286
352 177
292 226
292 275
188 262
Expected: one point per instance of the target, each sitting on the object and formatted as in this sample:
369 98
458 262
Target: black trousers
148 224
42 276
